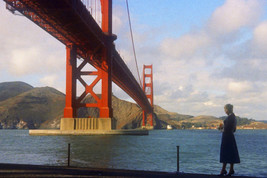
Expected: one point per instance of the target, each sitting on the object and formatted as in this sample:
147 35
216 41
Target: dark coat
229 151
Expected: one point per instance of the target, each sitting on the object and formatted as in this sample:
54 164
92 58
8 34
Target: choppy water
199 150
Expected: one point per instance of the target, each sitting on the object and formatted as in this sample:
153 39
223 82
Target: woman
229 151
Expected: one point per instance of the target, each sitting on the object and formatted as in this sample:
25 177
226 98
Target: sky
205 53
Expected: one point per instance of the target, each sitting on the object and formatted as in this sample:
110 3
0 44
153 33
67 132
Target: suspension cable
132 39
95 11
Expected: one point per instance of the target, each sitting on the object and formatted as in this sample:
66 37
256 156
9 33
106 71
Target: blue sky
205 53
184 13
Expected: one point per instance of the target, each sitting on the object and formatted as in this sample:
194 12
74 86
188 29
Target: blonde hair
229 108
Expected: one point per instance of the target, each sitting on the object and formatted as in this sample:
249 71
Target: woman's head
228 108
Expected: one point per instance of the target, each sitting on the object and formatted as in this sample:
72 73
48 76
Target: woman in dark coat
229 151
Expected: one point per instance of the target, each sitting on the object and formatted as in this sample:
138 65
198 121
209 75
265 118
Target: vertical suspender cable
95 10
91 7
129 19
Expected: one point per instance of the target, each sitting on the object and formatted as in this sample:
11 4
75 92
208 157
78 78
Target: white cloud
118 19
259 42
31 60
210 104
234 15
24 61
49 80
186 46
238 87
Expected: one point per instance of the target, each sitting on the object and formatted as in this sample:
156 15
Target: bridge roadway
19 170
71 23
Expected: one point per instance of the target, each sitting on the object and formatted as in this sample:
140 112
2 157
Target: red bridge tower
103 75
147 121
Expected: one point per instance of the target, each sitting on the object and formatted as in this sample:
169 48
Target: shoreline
156 129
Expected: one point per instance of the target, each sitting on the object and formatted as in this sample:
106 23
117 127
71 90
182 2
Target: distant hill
31 108
11 89
264 121
25 107
241 121
164 118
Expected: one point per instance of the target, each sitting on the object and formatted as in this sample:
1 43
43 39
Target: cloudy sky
204 53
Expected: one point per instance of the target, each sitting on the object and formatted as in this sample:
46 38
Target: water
199 150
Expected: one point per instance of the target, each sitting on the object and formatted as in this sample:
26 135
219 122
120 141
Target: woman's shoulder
232 115
231 118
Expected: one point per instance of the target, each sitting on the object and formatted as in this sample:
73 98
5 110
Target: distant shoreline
162 129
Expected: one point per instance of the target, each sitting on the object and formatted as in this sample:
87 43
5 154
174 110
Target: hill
25 107
164 118
264 121
11 89
31 108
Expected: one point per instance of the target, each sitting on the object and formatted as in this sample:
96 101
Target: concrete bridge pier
148 127
87 124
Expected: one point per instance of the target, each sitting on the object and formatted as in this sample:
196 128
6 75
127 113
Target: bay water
199 151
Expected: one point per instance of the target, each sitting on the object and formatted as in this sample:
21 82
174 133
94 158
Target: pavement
22 170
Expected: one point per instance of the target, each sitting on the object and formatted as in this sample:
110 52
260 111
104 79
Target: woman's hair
229 107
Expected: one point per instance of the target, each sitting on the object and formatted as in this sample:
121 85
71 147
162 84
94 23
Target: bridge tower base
148 127
87 124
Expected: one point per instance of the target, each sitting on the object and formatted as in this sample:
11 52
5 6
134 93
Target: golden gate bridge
72 23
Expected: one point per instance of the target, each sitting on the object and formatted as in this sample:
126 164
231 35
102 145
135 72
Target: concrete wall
87 124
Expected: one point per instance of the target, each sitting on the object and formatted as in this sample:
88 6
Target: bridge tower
147 121
102 74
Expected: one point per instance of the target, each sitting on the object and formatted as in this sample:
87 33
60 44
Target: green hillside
11 89
31 108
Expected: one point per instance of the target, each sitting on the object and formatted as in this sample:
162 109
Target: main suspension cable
132 39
